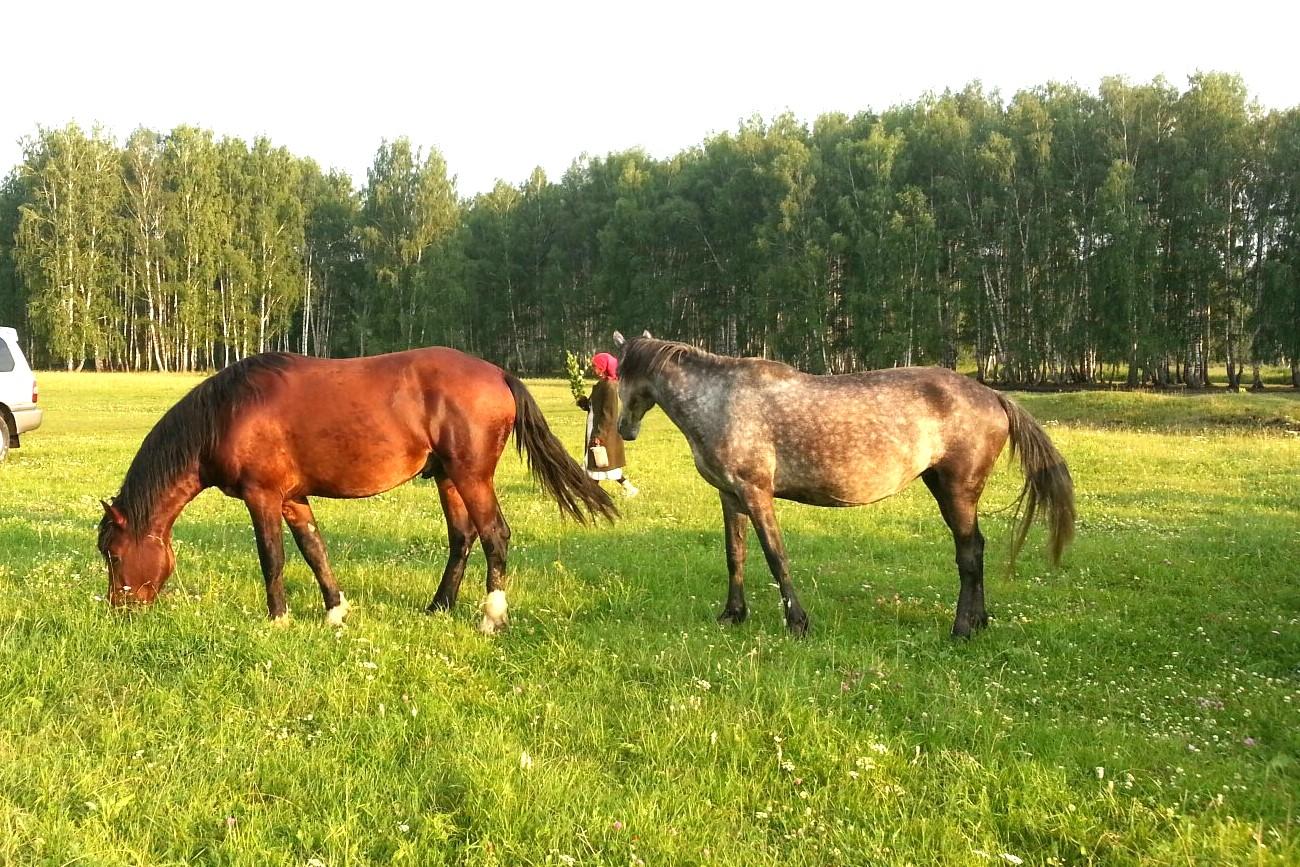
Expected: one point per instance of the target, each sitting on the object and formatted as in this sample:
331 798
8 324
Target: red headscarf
606 365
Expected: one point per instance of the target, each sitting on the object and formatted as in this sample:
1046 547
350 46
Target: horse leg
735 527
959 509
306 533
461 534
493 531
265 511
758 505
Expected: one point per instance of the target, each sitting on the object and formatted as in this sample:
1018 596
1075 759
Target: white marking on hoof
282 621
495 613
334 616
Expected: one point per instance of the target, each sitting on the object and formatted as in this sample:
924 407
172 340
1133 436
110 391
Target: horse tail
554 470
1047 484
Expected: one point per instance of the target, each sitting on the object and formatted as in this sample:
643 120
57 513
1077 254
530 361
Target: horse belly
368 468
849 472
322 457
842 488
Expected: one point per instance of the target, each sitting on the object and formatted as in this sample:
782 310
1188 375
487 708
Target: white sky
502 87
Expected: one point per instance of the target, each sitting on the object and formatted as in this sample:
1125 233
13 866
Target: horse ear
619 340
114 513
647 333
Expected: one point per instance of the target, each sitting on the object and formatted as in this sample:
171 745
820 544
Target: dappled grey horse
760 429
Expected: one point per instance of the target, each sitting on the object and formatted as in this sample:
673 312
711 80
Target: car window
6 357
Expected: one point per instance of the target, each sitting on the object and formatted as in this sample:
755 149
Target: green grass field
1139 705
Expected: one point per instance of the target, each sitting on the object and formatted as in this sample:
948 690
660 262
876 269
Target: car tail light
36 392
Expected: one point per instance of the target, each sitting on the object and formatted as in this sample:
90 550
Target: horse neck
168 503
692 398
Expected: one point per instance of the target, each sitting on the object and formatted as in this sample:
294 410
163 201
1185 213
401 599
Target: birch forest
1136 234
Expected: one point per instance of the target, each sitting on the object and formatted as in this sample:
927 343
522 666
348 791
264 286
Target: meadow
1141 704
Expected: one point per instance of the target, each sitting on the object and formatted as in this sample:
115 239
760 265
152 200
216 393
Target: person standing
604 452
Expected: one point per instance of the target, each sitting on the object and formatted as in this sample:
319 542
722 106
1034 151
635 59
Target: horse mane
187 433
646 356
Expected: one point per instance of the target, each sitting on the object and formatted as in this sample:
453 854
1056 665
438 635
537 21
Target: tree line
1139 233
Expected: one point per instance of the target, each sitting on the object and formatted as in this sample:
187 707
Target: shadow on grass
1275 413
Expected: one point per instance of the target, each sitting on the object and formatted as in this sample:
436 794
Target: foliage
1137 234
575 367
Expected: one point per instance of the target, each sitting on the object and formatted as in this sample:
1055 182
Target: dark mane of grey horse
186 433
646 356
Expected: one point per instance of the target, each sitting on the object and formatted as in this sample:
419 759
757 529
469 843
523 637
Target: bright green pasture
1139 705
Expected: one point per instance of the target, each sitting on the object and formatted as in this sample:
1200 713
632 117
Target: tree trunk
1257 383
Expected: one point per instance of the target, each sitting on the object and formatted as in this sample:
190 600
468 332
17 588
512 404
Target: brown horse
760 429
275 429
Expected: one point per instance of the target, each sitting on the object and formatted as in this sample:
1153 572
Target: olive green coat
604 424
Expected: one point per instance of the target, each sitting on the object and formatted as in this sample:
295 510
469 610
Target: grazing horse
759 429
275 429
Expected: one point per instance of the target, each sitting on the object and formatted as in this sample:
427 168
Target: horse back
355 427
857 438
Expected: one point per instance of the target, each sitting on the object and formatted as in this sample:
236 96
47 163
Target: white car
18 393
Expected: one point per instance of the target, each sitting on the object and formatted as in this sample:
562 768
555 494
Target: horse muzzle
126 595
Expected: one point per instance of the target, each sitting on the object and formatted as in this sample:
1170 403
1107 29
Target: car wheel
4 442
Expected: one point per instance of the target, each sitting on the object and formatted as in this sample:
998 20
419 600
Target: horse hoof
335 615
496 614
964 627
732 617
798 626
281 621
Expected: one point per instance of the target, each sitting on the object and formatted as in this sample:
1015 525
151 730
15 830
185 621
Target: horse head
138 564
635 391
